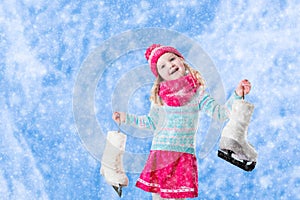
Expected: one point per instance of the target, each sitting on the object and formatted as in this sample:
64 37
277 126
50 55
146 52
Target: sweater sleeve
147 122
219 112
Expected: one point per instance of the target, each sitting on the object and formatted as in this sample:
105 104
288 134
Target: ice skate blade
118 189
241 164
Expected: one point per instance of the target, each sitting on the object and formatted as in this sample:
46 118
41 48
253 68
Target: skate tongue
118 190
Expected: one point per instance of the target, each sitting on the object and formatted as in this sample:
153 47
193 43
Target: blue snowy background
44 43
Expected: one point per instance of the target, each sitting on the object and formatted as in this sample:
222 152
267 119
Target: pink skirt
171 174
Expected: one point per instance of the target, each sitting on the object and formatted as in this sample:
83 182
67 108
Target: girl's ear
186 71
186 68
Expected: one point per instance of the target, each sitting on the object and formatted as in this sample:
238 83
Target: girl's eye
162 66
171 59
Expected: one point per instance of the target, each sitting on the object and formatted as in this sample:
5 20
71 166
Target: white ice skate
112 161
234 146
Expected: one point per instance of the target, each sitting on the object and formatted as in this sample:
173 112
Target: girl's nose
171 65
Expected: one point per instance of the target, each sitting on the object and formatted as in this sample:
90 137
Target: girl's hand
243 88
119 117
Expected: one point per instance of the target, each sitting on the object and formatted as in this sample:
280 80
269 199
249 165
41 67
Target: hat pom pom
150 49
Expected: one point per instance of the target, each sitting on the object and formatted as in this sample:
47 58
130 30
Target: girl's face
170 66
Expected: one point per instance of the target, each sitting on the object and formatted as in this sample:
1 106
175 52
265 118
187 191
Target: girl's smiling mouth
173 70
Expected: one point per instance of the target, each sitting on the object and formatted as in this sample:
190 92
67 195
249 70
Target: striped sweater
175 127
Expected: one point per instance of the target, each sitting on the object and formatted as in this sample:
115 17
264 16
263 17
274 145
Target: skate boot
234 146
112 161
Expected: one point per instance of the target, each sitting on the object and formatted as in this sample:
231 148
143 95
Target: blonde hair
154 97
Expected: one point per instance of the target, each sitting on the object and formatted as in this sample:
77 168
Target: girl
177 96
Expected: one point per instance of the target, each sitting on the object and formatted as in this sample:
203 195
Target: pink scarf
178 92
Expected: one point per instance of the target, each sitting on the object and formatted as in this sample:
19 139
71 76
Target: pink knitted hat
154 52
